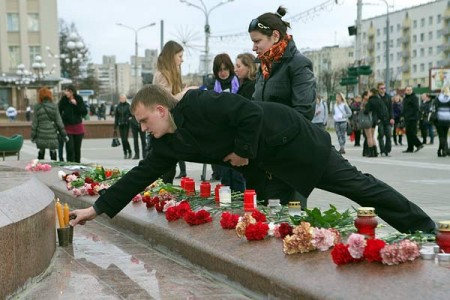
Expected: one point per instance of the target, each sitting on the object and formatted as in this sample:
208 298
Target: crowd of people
391 119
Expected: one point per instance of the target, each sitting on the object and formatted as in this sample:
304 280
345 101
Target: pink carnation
356 244
389 255
76 192
408 251
322 239
137 198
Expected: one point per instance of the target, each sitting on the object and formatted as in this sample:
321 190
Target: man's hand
392 121
235 160
80 216
73 101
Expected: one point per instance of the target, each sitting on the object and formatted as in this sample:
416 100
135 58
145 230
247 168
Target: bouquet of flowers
36 166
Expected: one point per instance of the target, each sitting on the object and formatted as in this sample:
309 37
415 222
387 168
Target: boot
129 154
400 140
41 154
182 165
136 155
440 152
374 151
53 155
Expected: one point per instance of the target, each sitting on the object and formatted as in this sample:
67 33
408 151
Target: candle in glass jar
225 196
443 236
366 221
189 187
216 192
295 209
205 189
249 200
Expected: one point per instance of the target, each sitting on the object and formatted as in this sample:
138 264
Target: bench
11 145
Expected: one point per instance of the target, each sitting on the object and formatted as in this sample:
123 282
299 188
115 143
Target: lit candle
59 212
66 215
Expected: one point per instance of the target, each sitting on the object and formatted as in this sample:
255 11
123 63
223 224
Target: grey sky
96 22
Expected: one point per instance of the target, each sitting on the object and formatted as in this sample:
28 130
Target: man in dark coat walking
255 138
411 116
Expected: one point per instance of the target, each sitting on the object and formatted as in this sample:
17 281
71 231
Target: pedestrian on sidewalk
122 119
341 112
255 138
411 117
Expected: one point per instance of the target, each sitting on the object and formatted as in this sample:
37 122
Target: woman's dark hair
268 22
71 88
365 93
374 91
222 59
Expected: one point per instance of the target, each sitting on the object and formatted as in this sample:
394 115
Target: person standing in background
284 76
11 113
397 108
72 110
168 76
28 113
341 112
355 107
426 127
411 116
138 134
386 123
245 69
442 108
321 113
122 121
46 122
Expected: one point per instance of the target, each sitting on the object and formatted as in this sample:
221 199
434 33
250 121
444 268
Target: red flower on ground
284 230
197 218
341 255
88 180
92 191
229 220
259 216
182 208
172 214
373 248
160 206
255 232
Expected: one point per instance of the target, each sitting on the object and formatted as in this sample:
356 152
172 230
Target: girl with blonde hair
341 113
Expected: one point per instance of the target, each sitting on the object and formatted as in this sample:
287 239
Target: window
34 51
378 31
422 67
399 42
438 50
391 43
399 27
414 68
378 46
399 56
414 38
399 70
350 54
422 52
438 33
12 21
415 24
430 20
378 59
439 17
422 22
414 53
384 30
422 37
430 35
14 56
430 65
430 50
391 28
33 22
364 35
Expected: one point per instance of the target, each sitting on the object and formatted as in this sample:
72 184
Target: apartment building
418 41
28 28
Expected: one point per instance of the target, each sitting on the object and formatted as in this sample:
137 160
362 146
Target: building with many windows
28 29
418 41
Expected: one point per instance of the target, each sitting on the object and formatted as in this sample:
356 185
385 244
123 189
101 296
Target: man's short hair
380 84
153 94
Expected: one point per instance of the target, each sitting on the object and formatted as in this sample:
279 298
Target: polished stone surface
27 228
104 263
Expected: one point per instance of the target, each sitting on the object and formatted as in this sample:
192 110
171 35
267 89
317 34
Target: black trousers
73 147
411 134
137 133
442 131
123 131
344 179
384 137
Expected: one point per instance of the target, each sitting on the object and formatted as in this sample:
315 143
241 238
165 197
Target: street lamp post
207 28
136 30
387 74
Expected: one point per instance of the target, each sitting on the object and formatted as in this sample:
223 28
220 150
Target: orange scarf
274 54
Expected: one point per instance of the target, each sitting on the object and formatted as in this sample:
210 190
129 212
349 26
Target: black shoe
180 175
125 156
408 151
419 148
129 154
136 156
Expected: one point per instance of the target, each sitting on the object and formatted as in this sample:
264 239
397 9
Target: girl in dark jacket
284 76
72 110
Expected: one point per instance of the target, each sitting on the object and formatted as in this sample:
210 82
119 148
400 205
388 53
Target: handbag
432 117
349 128
115 141
364 120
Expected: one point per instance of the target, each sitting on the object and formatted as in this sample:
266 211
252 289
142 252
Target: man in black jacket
255 138
385 126
411 116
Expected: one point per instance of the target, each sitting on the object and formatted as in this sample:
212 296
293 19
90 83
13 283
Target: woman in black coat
122 121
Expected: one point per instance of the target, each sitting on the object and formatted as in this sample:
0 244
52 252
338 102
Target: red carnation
373 248
255 232
197 218
172 214
284 230
91 191
229 220
88 180
146 199
182 208
341 255
76 174
259 216
160 206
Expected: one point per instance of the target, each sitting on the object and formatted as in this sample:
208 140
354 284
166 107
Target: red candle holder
189 187
366 221
216 191
205 189
182 181
443 236
249 200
